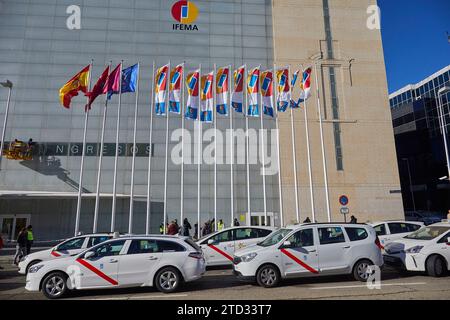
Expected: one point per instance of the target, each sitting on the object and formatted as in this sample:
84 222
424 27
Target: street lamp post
410 183
443 124
7 84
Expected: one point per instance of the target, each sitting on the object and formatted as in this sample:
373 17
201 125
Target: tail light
378 243
196 255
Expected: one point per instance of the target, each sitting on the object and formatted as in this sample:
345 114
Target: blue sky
414 39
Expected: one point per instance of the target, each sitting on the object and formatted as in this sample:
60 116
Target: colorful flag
207 100
129 81
113 84
253 90
267 92
175 89
193 84
97 89
283 96
161 89
305 86
238 97
79 82
222 90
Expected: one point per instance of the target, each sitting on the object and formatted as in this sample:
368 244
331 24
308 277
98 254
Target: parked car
68 247
220 246
426 217
426 250
388 231
312 249
132 261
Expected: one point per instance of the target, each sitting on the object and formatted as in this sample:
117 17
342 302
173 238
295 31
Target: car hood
249 249
40 255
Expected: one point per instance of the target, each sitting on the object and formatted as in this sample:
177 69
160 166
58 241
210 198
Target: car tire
54 285
167 280
360 270
32 263
268 276
435 266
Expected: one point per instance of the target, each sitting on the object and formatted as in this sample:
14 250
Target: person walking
21 246
177 226
161 228
220 225
236 222
186 227
307 220
172 229
353 219
30 238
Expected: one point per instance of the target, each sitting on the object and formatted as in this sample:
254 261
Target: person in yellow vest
161 228
220 225
30 238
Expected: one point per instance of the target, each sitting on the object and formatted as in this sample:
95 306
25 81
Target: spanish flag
78 83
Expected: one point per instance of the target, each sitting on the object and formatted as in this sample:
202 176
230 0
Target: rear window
356 234
164 246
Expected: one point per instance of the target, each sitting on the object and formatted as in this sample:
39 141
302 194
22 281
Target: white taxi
427 249
68 247
220 246
131 261
312 249
389 231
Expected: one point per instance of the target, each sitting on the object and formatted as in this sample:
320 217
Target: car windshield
427 233
274 238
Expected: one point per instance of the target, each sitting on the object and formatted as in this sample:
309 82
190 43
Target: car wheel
32 263
54 285
167 280
268 276
435 266
360 270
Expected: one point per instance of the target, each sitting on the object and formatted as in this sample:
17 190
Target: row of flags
200 101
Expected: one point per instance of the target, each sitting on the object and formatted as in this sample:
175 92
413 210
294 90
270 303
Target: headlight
415 249
35 269
249 257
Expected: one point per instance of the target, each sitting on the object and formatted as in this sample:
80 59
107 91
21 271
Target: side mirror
212 241
89 254
286 244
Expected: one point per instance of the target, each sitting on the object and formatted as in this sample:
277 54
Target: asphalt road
221 284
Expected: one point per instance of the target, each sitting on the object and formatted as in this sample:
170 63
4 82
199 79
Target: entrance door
11 224
257 219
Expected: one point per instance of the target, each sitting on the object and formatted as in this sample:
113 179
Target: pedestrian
353 219
30 238
1 246
186 227
220 225
236 222
307 220
161 228
196 231
177 226
21 246
172 228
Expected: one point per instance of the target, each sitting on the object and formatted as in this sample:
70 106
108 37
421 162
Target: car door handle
312 250
346 247
113 261
152 258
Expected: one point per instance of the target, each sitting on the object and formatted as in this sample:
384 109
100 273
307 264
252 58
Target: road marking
364 286
144 297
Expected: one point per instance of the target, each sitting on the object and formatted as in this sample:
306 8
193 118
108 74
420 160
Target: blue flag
129 80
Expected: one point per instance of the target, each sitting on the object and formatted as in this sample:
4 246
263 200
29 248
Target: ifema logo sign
185 12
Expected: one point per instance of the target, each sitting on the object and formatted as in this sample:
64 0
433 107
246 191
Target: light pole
410 183
7 84
443 124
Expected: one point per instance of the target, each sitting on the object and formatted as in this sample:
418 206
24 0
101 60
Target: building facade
420 144
39 52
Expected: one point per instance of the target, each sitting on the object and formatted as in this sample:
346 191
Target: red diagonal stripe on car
300 262
55 254
97 272
226 255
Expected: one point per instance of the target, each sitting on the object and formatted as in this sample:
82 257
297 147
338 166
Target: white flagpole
116 158
278 144
100 158
182 146
324 160
230 107
149 173
199 152
130 221
308 148
249 215
294 147
215 147
263 156
167 147
83 153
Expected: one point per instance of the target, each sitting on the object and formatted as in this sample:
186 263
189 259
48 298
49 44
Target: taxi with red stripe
67 247
220 246
128 261
311 249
